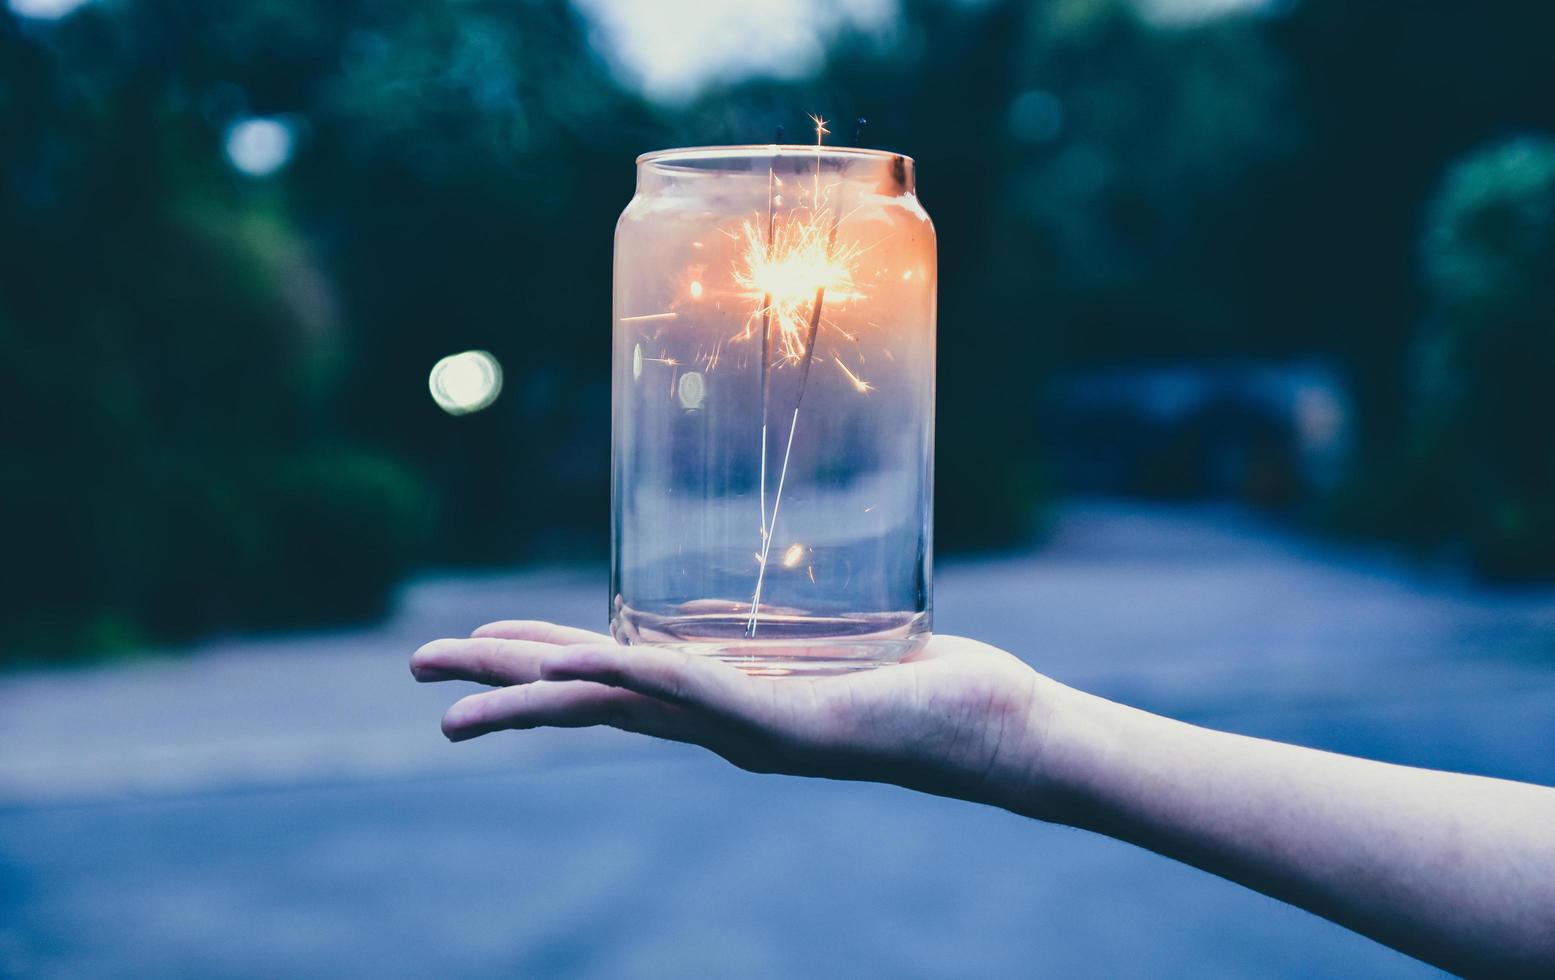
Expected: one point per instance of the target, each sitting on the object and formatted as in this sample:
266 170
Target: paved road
285 806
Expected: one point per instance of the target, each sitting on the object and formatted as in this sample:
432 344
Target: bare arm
1456 870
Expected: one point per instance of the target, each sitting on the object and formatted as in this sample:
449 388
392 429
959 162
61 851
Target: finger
569 704
540 632
667 675
484 660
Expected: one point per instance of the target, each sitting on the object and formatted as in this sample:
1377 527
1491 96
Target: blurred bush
1481 461
173 354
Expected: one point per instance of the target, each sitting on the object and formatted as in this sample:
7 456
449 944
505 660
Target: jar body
773 408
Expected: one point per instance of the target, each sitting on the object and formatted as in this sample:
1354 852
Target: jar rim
755 150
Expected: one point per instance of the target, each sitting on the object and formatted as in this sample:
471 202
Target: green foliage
171 349
1490 243
1476 469
1481 447
1114 215
216 411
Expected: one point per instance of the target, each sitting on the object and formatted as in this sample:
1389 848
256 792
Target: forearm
1457 870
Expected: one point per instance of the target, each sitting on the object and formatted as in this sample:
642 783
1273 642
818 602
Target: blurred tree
169 345
1388 95
1480 455
470 163
1135 152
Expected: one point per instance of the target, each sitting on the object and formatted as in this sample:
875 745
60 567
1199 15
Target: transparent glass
773 434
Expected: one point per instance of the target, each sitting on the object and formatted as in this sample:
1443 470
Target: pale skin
1456 870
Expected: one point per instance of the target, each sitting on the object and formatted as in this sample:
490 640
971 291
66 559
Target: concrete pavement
286 805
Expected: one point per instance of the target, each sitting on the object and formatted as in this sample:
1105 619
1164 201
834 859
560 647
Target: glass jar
773 428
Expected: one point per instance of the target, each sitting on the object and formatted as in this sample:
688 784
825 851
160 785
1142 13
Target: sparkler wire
793 424
766 361
769 528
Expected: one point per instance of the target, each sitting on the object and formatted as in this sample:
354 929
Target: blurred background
1295 254
1256 290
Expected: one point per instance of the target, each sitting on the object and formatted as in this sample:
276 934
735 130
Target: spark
821 132
789 269
649 316
859 384
782 275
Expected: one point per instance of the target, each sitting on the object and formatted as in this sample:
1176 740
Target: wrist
1070 735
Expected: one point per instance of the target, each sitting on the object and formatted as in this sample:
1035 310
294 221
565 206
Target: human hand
958 718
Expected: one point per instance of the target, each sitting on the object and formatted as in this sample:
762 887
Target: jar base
787 644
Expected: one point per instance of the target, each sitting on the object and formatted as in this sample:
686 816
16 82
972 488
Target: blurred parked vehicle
1269 434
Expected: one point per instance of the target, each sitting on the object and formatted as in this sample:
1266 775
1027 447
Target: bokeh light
1036 116
466 382
793 555
259 147
691 390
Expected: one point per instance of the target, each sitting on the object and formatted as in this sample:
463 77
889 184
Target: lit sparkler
791 271
783 270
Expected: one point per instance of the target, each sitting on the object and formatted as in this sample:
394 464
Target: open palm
945 721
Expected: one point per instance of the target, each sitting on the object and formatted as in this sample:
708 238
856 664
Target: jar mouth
699 158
